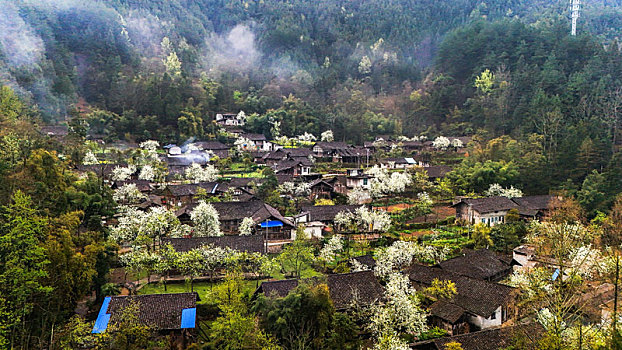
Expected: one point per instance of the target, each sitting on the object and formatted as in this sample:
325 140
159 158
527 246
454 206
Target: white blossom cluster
90 159
128 194
149 151
441 142
402 253
123 173
356 266
358 195
498 190
334 245
135 226
196 173
401 311
327 136
384 184
206 220
391 342
307 137
424 199
243 144
147 172
363 219
300 189
246 226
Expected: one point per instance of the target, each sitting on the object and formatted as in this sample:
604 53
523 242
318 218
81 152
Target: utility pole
575 7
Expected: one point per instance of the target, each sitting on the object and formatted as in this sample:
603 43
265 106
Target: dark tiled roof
489 204
534 202
493 339
142 185
319 181
437 171
160 311
367 260
331 145
254 137
327 212
298 152
249 244
191 189
54 130
343 287
245 181
476 296
481 264
212 145
447 311
288 164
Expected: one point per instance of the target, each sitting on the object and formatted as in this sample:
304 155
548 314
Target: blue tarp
271 223
102 318
188 317
555 274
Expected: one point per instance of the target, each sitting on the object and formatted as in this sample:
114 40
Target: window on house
483 221
494 316
365 182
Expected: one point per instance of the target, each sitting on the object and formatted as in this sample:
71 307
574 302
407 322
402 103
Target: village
361 219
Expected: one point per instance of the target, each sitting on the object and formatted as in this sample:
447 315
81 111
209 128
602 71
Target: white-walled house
478 304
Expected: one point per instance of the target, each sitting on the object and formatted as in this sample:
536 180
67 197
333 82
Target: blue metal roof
271 223
102 318
188 317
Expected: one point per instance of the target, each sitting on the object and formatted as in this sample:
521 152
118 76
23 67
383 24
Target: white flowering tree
401 313
300 189
390 341
205 220
383 184
246 226
128 225
149 151
196 173
90 159
213 258
123 173
456 143
331 249
243 144
441 143
498 190
241 116
307 137
157 223
362 220
128 194
147 172
327 136
144 229
556 293
402 254
358 195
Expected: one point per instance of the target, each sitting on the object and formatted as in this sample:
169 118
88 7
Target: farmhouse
344 288
269 222
477 305
169 314
482 264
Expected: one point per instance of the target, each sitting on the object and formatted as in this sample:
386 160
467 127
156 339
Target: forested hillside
162 69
